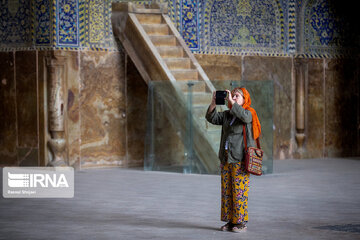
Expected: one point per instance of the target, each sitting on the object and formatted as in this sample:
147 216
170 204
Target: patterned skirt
234 193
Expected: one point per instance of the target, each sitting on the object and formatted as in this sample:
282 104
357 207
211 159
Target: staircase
160 54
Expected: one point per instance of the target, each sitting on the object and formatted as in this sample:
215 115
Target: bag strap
258 143
244 135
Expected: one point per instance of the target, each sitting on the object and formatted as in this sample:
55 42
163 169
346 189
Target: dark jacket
233 133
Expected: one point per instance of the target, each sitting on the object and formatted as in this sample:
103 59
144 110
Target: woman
234 178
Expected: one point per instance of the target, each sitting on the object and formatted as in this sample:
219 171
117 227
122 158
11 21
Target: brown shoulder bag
253 157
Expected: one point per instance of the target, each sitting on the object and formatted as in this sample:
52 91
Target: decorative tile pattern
67 23
177 14
42 25
325 33
238 26
82 14
96 23
233 27
320 23
54 22
292 27
15 27
171 8
189 23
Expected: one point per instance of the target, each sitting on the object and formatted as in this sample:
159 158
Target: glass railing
169 143
178 137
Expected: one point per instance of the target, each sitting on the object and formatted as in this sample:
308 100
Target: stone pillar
56 95
300 103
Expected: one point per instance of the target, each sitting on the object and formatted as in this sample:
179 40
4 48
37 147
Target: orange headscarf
247 102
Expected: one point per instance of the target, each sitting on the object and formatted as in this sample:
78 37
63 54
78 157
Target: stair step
199 86
140 6
163 40
178 63
200 97
149 18
147 11
185 74
156 29
170 52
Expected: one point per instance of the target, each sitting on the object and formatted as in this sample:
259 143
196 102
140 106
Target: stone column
56 92
300 103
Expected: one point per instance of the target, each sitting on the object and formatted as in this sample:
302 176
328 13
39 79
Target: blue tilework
234 26
325 33
189 23
292 27
67 23
16 24
42 26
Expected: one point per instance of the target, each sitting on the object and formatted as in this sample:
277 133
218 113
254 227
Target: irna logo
33 180
38 182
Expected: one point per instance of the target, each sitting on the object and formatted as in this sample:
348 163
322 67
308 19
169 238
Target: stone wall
332 126
19 128
103 126
105 93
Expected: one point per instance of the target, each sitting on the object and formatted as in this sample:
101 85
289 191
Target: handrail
159 59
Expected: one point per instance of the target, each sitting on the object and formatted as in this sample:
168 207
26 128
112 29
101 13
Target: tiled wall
16 28
327 28
312 28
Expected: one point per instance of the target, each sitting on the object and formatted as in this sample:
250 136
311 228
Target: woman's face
237 97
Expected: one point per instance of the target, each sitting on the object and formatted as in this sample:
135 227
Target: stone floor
303 199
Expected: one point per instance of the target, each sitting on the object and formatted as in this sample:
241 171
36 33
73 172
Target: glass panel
179 139
169 143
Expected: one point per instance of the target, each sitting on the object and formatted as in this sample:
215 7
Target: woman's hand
229 97
213 102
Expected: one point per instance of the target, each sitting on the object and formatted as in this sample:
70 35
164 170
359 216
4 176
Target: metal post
149 141
189 167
